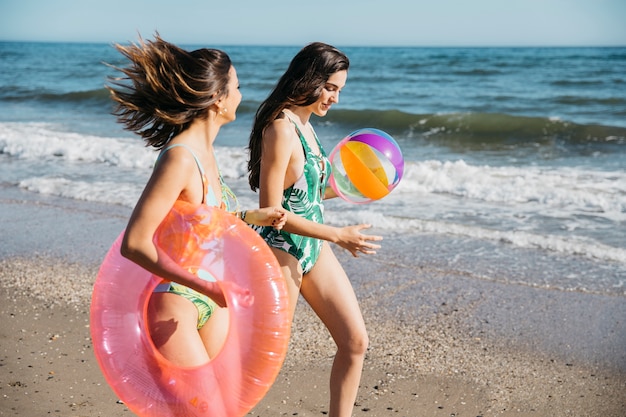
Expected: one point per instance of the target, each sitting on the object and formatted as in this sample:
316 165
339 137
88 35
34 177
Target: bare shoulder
180 153
178 159
279 132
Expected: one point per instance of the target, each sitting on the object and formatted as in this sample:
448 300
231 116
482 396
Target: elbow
129 247
125 252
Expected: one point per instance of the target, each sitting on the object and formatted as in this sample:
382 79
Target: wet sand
441 343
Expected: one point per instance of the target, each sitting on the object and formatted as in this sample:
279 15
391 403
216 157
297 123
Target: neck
204 131
299 114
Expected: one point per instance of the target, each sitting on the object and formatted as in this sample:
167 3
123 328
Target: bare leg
329 292
172 321
173 325
215 330
293 275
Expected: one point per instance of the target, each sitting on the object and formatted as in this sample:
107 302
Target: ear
219 103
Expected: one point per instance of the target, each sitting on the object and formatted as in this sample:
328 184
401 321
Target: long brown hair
166 87
300 85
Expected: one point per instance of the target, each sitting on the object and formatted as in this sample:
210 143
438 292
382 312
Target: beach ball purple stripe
384 143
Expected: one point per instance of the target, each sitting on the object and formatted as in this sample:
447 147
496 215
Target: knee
356 344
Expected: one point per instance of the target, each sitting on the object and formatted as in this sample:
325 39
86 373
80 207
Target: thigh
172 322
215 330
292 272
329 292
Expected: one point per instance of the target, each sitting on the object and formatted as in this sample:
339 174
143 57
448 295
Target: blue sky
344 23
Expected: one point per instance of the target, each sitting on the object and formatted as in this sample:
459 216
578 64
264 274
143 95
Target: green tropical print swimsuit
304 198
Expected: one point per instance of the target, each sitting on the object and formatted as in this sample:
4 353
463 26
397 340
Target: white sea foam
559 209
570 245
47 142
124 194
564 190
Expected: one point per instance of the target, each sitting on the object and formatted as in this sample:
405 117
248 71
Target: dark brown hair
165 88
300 85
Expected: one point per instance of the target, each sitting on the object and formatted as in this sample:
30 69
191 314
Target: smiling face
330 93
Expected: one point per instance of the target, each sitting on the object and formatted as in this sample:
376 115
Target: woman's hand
242 296
216 291
351 238
267 216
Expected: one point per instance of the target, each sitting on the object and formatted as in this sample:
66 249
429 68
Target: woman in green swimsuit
177 101
289 168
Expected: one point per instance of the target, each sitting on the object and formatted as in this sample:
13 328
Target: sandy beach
466 347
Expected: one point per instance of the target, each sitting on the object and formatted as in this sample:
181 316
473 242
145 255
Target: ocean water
515 157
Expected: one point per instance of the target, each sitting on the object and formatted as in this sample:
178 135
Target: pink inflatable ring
233 382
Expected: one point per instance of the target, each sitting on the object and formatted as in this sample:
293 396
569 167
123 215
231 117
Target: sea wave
468 127
576 191
108 192
558 209
531 240
97 97
479 127
127 193
42 141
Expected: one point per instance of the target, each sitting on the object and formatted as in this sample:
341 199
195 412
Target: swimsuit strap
324 163
305 144
227 201
205 185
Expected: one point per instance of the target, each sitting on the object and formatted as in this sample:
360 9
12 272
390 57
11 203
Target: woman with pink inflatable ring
177 102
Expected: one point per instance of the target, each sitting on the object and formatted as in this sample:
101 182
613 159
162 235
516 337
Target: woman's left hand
351 238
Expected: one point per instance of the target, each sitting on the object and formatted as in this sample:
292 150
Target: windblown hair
300 85
165 88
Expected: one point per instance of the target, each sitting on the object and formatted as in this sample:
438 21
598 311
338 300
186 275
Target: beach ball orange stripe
364 170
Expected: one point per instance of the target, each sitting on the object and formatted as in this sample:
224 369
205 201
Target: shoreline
466 348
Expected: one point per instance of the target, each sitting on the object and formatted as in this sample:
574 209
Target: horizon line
349 45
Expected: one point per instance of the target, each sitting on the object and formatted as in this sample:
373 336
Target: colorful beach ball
367 165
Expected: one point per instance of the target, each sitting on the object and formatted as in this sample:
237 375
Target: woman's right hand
216 291
351 238
242 296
